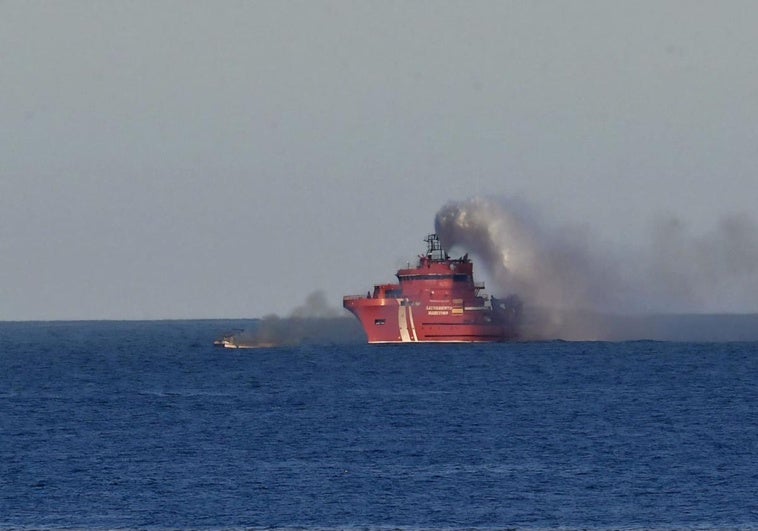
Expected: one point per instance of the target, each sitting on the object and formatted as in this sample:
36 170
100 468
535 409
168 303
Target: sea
147 425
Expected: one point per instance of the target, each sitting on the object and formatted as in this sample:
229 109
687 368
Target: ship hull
404 321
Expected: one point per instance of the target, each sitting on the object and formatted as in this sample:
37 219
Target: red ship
436 301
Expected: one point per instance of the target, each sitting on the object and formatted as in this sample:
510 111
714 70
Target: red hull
437 301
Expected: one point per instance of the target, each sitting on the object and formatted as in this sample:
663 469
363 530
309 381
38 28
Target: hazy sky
224 159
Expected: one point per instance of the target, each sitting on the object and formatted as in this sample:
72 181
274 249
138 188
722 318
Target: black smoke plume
315 322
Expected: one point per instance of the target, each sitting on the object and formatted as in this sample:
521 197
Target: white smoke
566 270
716 271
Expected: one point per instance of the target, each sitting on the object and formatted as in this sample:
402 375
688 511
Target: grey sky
225 159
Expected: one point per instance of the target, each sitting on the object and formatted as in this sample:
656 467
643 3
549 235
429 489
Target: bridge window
455 277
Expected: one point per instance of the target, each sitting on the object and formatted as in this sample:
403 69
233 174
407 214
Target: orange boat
436 301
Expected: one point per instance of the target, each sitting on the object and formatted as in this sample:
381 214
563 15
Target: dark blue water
107 425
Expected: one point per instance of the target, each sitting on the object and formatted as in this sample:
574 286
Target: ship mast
434 249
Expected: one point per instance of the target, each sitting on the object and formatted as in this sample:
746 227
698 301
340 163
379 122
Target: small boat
231 341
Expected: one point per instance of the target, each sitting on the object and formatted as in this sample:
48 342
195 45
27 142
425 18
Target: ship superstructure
436 301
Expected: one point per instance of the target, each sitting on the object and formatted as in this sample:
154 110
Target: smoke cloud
716 271
571 282
316 306
314 322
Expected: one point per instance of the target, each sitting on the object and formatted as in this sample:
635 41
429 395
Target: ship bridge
438 275
435 264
